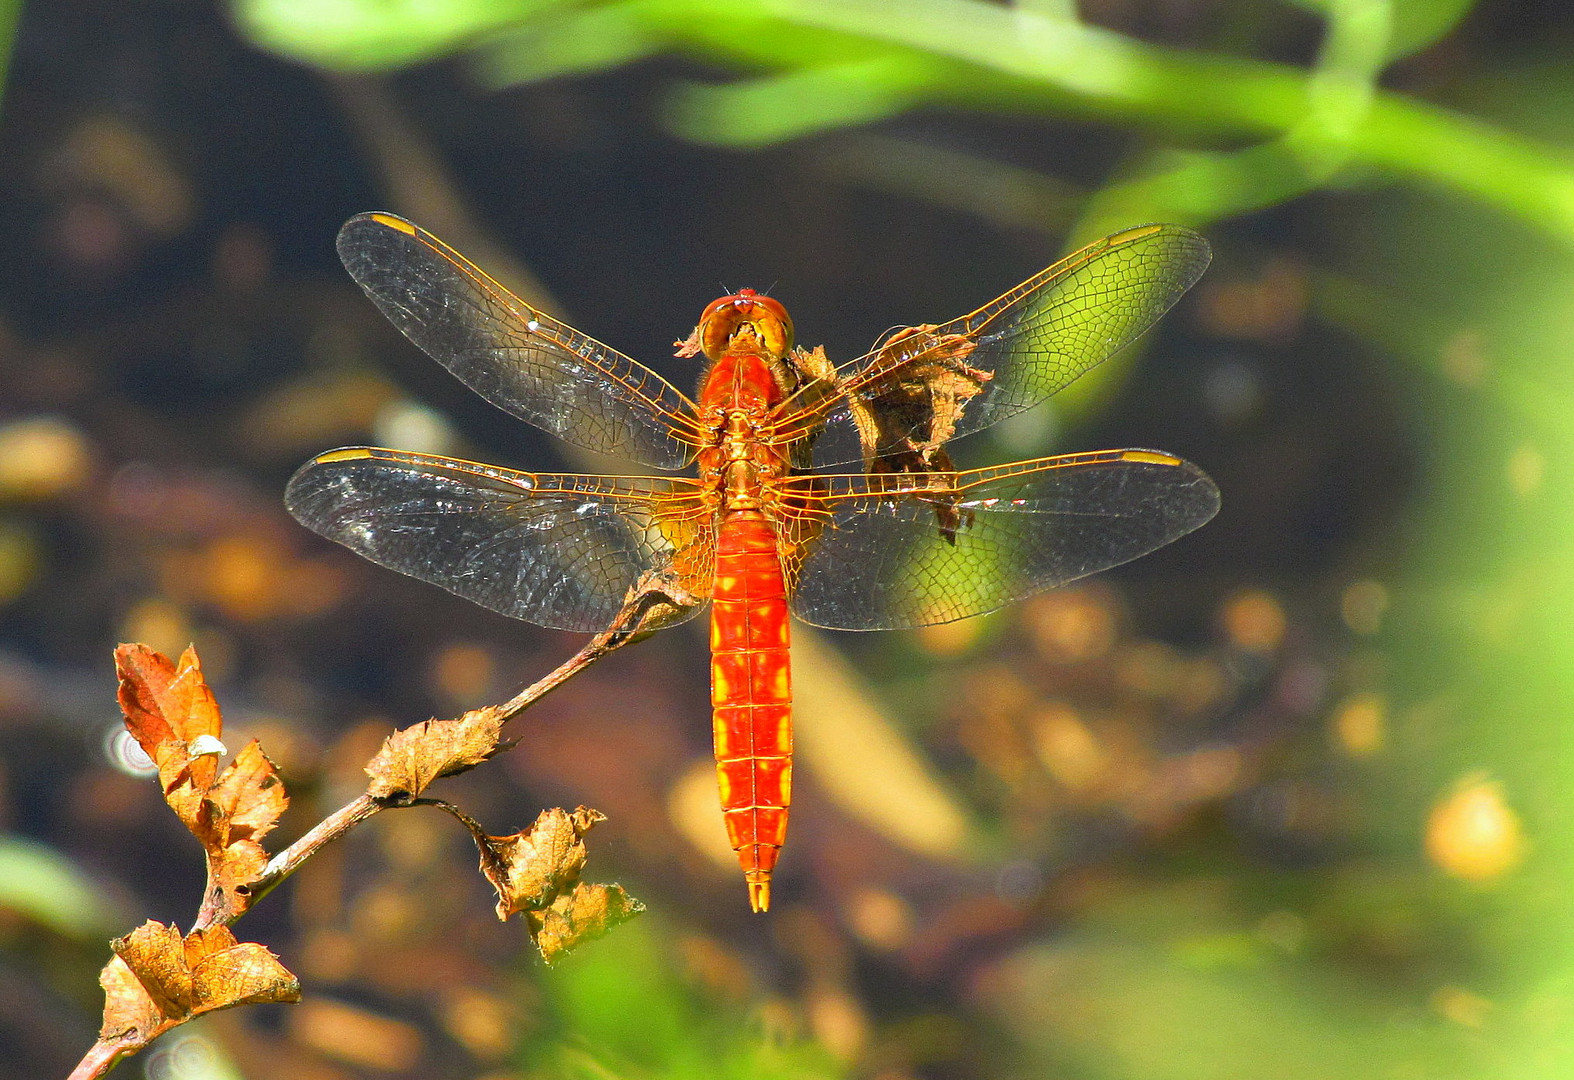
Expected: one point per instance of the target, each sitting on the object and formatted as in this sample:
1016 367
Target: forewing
926 385
894 551
520 359
555 550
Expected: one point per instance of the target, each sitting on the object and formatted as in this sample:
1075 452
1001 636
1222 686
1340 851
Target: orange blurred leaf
580 916
412 758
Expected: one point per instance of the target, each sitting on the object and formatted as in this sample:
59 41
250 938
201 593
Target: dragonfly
811 490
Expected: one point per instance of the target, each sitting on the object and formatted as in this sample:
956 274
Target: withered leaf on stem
156 955
159 978
225 972
537 872
174 716
241 808
129 1010
530 869
413 757
580 916
164 701
168 708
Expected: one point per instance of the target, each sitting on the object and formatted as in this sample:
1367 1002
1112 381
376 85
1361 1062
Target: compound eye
767 318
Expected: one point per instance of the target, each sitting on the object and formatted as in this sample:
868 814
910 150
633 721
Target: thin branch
102 1057
649 603
655 601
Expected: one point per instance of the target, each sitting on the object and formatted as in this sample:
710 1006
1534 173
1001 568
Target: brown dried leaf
412 758
537 872
156 955
248 794
129 1011
662 597
225 973
530 869
905 419
910 414
689 346
580 916
164 700
182 791
242 807
173 714
813 364
163 703
184 977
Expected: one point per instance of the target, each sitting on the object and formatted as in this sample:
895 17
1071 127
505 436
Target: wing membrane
556 550
926 385
878 557
520 359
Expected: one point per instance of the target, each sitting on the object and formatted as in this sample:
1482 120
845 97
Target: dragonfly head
747 312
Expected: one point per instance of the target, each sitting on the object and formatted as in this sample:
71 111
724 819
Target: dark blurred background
1288 799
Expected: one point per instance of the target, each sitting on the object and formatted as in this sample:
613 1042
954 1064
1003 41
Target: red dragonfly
904 540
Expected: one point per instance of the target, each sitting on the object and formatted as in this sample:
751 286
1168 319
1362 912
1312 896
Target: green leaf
1415 24
40 883
370 35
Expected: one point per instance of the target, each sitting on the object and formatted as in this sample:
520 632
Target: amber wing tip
393 222
760 895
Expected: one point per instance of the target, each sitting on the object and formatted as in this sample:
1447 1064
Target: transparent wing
555 550
520 359
893 551
925 385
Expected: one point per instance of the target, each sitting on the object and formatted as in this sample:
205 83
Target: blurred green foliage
10 14
616 1010
821 64
46 887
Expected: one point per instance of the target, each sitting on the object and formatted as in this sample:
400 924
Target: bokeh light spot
463 673
880 918
1472 833
357 1036
1068 749
42 457
159 624
1254 621
1072 625
1360 724
1460 1006
950 639
126 754
1464 358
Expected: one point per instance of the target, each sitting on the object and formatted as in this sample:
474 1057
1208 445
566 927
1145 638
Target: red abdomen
751 692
